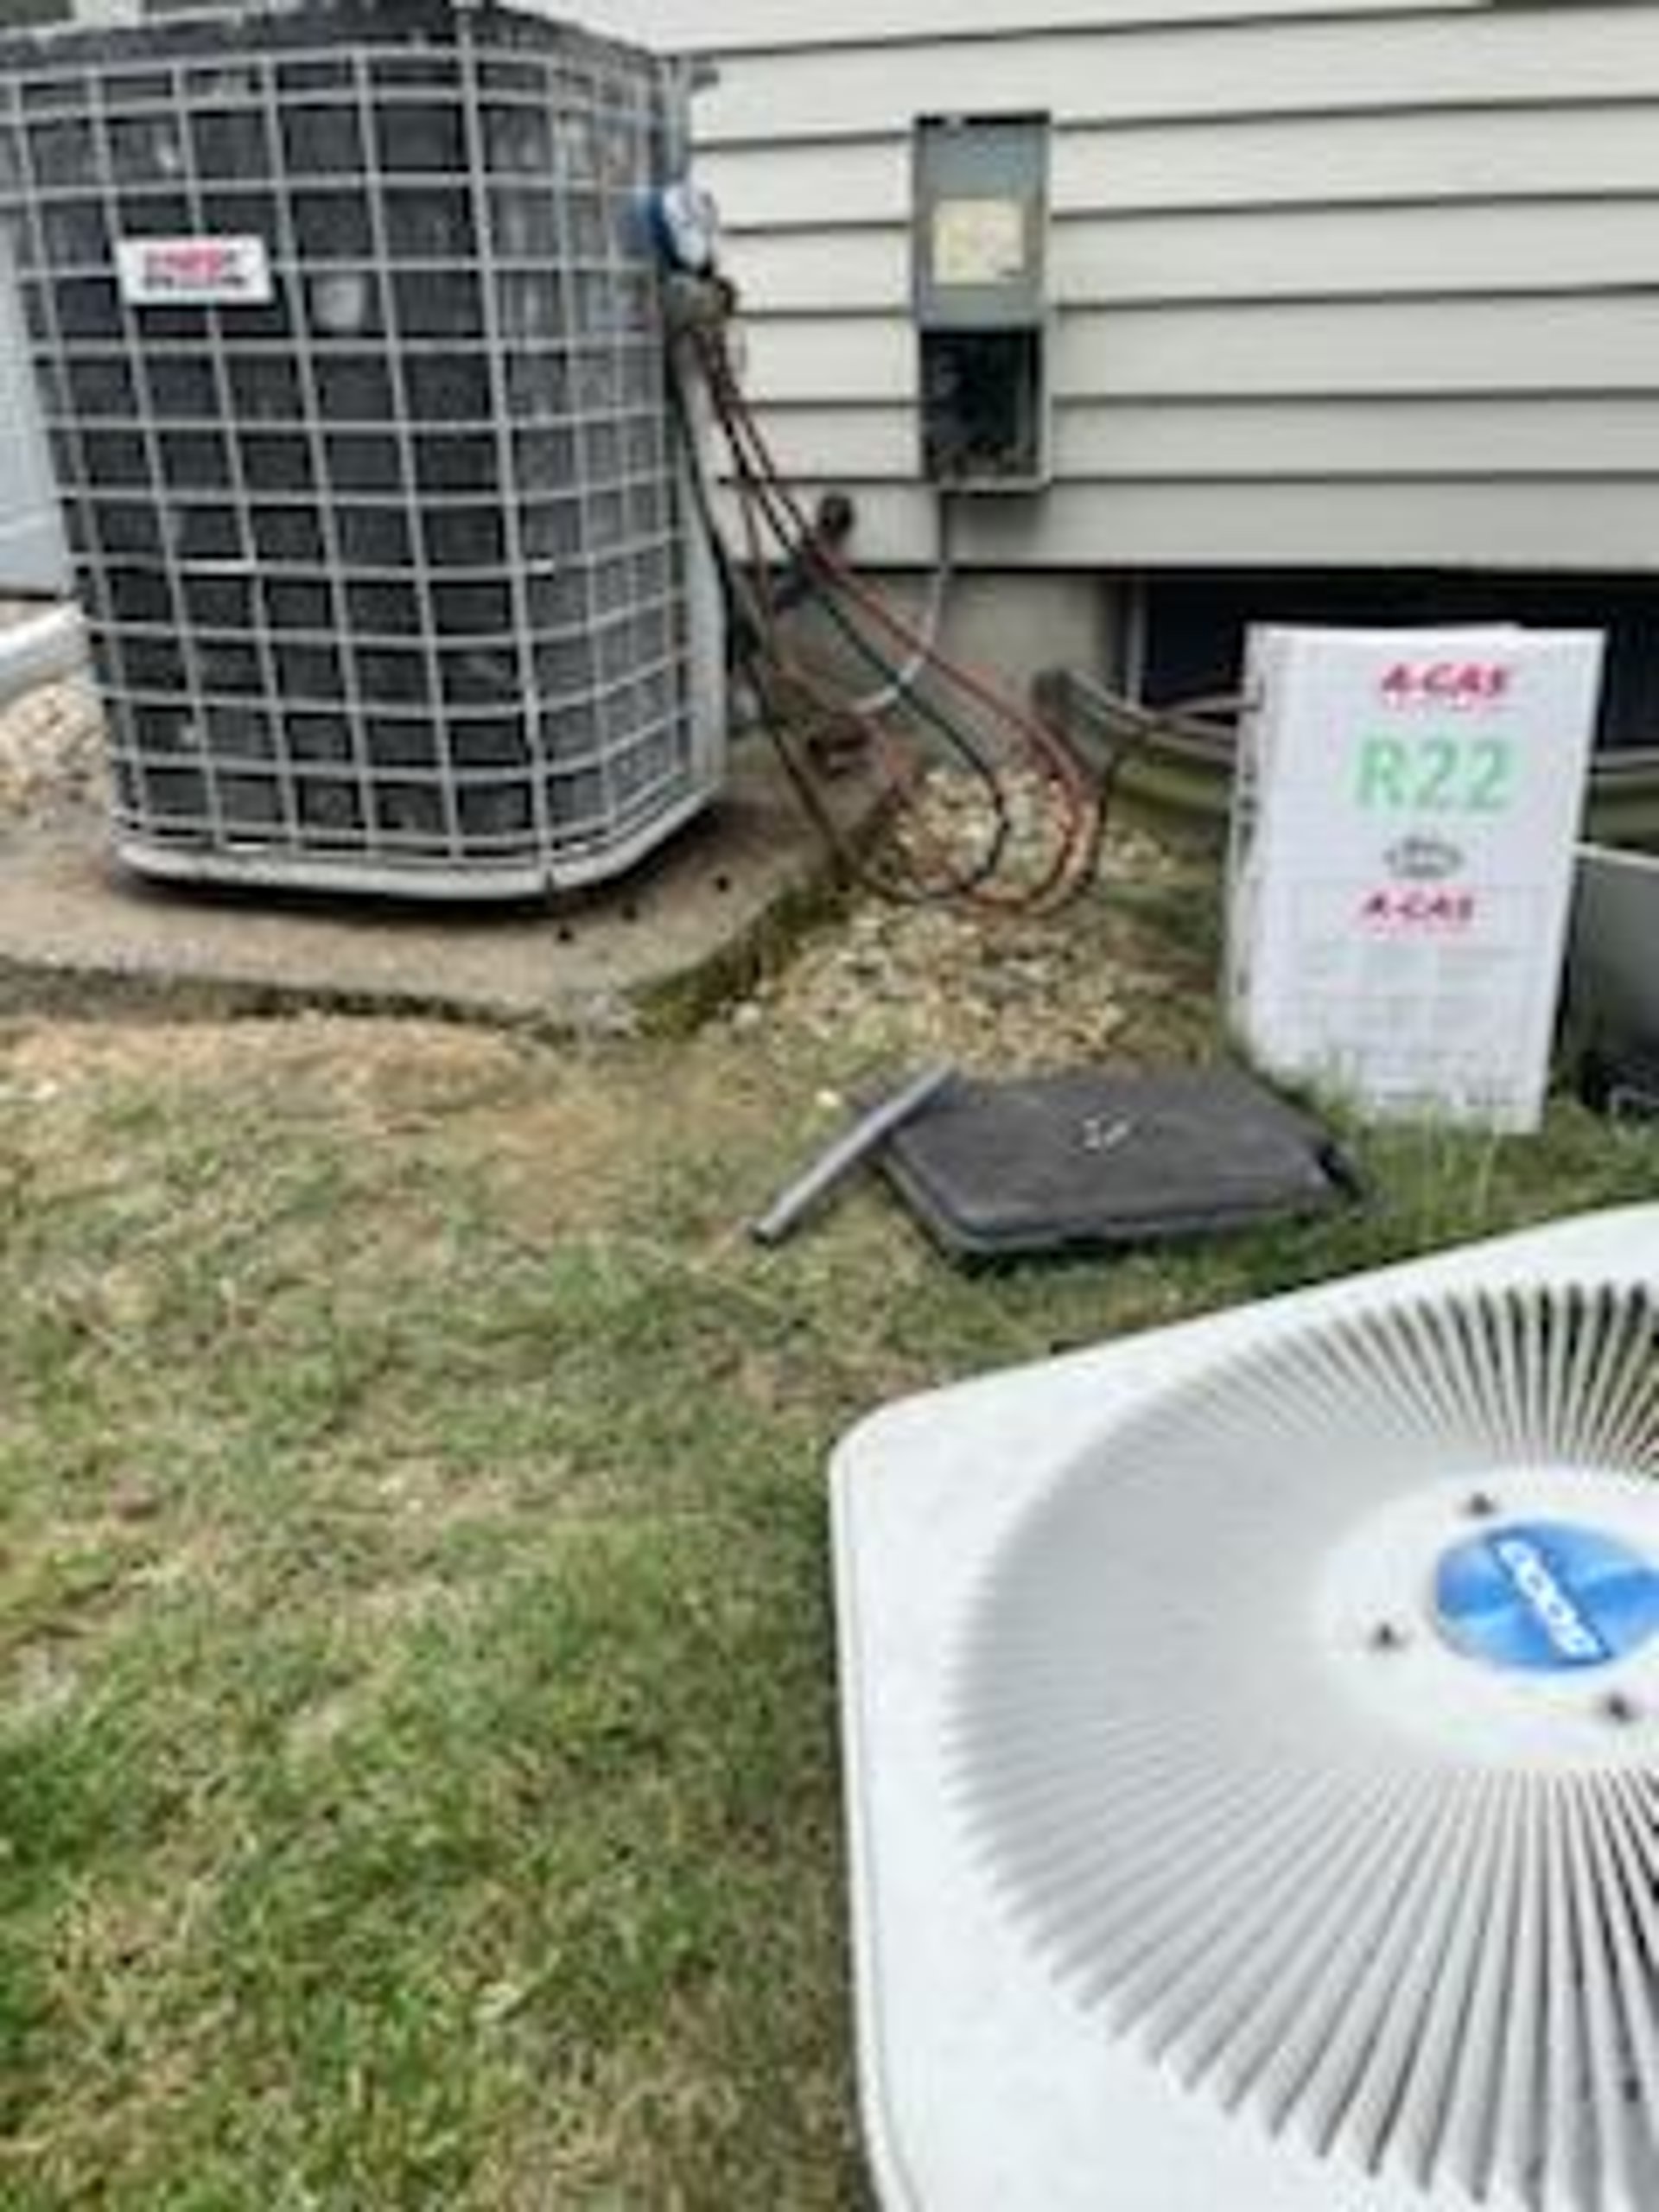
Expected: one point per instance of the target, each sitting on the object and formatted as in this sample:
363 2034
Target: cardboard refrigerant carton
1406 810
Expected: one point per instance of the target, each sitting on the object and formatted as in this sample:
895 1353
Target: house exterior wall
32 555
1338 282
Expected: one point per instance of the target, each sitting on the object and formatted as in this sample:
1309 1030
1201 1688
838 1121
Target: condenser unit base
459 884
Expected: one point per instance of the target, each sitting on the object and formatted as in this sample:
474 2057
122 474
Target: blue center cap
1547 1598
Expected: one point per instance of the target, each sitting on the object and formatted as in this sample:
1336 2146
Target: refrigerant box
1405 816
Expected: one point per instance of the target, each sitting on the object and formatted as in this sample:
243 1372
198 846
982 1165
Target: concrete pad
79 933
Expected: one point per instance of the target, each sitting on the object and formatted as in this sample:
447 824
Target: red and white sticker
194 272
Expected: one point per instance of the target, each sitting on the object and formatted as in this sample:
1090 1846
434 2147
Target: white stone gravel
51 751
1002 993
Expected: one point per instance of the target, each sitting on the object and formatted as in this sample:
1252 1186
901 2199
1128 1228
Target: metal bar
850 1150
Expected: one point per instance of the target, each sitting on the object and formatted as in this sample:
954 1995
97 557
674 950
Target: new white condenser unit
1252 1735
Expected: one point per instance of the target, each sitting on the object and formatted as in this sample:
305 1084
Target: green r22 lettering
1436 775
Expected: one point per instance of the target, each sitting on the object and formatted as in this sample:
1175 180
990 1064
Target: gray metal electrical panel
981 299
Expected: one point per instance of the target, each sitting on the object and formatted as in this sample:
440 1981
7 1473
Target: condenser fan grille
1402 1938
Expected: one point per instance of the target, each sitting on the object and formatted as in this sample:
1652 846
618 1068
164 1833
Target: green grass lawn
418 1772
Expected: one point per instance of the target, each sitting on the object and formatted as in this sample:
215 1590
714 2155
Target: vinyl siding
1334 282
33 555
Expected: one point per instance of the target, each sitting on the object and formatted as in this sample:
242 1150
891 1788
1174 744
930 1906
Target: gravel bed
51 751
993 993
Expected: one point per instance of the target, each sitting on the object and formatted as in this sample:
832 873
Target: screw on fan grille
1446 1969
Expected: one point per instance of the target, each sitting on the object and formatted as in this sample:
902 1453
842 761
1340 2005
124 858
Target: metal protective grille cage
388 579
1404 1913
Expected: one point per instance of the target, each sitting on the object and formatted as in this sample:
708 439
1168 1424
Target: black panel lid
1101 1159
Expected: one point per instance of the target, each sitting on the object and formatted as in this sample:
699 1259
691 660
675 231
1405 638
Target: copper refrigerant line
816 721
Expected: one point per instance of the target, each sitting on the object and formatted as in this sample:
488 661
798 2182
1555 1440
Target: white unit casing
1209 1848
1404 820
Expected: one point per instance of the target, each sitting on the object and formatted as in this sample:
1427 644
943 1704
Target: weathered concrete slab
77 932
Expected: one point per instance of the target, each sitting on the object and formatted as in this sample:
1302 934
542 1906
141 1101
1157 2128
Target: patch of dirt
45 1681
427 1496
542 1124
377 1075
597 1139
370 1625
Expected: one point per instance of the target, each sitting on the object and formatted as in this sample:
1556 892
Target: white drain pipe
40 651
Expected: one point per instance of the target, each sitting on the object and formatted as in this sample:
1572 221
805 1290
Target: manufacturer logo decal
194 272
1547 1596
1419 910
1423 859
1465 686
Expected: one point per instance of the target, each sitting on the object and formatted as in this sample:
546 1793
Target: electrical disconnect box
982 300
